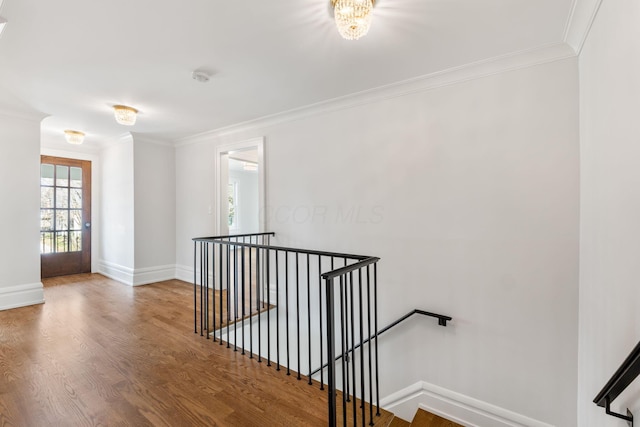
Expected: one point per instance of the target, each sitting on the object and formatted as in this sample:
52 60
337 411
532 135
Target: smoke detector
200 76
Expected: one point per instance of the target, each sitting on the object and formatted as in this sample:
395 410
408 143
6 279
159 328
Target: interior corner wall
155 206
117 211
469 194
610 207
20 283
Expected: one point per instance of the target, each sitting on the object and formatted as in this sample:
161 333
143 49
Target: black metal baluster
298 310
320 314
251 299
362 397
331 374
201 285
277 314
353 337
346 355
235 296
258 297
213 289
244 304
195 287
345 366
206 287
375 315
221 249
268 291
228 291
309 313
369 345
286 293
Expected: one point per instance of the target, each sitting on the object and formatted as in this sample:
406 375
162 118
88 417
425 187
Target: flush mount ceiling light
74 137
125 115
353 17
200 76
3 22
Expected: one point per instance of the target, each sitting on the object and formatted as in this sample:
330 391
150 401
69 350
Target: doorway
65 216
240 188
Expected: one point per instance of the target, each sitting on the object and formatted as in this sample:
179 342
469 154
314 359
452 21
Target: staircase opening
311 314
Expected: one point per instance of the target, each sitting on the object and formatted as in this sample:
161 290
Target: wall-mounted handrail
442 321
626 373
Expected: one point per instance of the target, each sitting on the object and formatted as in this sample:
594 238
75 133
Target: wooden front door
65 216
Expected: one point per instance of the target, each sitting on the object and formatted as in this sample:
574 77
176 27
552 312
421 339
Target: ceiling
74 59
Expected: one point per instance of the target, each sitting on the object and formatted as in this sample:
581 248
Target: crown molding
148 140
580 21
476 70
29 116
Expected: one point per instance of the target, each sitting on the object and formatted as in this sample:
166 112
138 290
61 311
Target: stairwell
310 314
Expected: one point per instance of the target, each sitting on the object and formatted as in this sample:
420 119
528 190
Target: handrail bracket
628 418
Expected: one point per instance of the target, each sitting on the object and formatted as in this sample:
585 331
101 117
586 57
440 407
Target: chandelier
353 17
125 115
74 137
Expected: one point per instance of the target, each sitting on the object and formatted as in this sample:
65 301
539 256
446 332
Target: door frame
87 209
221 179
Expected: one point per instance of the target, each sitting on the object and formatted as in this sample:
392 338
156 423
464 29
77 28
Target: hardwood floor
99 353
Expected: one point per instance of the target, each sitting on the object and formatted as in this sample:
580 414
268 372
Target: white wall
610 206
138 211
247 205
155 204
469 193
20 212
117 228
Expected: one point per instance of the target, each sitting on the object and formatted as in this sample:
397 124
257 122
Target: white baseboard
21 295
144 276
139 276
116 272
456 407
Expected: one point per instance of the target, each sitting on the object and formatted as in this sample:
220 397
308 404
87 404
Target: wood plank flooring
100 353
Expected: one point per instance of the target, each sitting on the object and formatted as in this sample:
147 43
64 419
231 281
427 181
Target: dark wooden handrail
626 373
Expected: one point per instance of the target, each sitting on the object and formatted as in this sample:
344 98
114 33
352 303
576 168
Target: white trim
160 273
142 138
23 115
138 276
583 14
500 64
116 272
454 406
21 295
221 150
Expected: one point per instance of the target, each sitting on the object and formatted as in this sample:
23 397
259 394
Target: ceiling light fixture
74 137
353 17
200 76
3 22
125 115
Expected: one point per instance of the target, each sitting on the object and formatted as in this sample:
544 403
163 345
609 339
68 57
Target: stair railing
270 302
626 373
